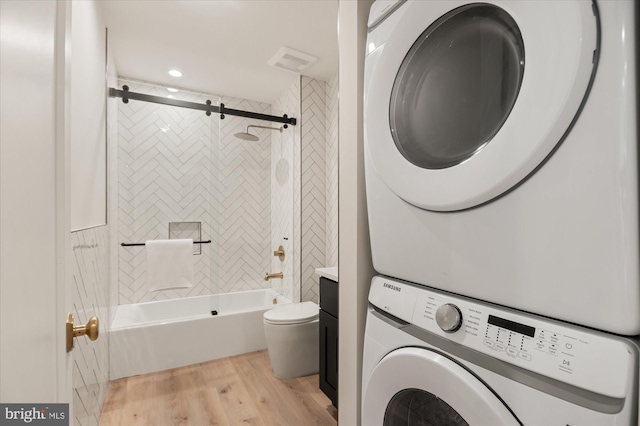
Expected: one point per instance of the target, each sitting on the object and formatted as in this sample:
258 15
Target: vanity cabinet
329 339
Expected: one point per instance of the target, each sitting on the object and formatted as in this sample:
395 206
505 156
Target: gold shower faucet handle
279 253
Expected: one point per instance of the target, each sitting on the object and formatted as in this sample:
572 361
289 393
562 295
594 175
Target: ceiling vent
292 60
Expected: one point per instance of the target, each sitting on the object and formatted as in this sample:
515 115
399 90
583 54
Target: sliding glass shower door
165 192
254 206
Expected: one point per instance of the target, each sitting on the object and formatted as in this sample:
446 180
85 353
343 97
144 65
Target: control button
488 343
500 347
449 317
568 345
512 352
524 356
566 366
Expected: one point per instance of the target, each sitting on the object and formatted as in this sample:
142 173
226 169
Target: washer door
417 386
465 100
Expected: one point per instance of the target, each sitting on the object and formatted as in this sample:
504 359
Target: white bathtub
155 336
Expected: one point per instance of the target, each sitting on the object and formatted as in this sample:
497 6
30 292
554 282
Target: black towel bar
141 244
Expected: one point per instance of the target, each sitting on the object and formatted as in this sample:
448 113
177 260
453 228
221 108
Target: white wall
36 287
354 250
30 319
88 109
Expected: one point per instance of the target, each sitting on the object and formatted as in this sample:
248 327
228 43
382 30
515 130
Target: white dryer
501 153
490 367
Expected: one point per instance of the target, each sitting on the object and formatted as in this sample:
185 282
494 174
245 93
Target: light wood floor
229 391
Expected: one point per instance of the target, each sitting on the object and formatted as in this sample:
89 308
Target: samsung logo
392 287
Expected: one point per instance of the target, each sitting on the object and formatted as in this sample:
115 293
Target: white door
465 100
34 214
415 386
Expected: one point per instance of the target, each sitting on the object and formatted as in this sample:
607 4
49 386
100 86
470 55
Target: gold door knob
91 330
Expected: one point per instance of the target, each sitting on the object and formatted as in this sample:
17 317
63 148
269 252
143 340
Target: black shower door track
125 94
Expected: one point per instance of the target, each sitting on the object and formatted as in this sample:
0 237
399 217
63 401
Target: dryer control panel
554 349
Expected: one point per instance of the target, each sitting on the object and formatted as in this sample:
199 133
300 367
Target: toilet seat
295 313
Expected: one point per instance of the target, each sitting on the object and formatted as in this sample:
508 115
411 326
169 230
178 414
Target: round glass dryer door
420 387
467 67
464 103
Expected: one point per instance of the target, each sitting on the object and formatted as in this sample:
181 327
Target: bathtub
155 336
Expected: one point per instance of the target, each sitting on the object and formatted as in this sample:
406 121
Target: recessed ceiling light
175 73
171 89
170 96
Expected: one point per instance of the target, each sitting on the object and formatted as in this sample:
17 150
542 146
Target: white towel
169 264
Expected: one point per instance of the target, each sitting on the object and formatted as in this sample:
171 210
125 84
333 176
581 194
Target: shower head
246 136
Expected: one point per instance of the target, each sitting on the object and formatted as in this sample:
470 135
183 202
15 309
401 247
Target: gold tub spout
268 276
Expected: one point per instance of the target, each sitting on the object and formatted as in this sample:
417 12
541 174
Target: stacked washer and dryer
501 154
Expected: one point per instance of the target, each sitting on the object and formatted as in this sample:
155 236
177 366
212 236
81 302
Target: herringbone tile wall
331 169
90 274
164 157
177 165
284 181
319 181
313 201
245 191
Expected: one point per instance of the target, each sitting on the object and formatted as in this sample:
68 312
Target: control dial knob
449 317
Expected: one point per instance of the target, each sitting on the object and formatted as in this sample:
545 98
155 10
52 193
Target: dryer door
465 100
416 386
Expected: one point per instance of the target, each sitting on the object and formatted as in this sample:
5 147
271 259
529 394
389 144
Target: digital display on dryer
513 326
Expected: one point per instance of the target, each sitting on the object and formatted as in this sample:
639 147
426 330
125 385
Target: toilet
291 333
